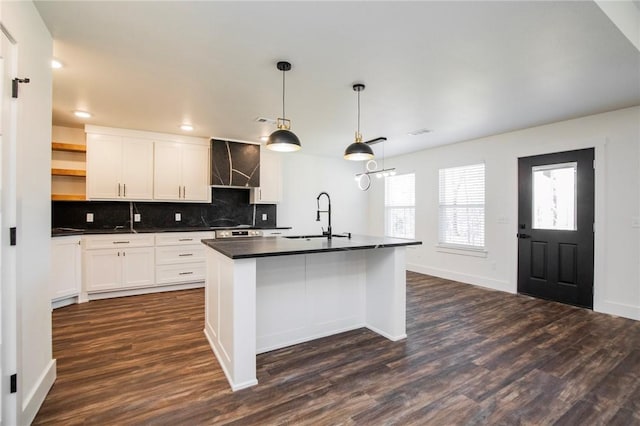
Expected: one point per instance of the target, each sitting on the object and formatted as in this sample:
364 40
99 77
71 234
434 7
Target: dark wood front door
555 226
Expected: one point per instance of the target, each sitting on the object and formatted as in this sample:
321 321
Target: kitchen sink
299 237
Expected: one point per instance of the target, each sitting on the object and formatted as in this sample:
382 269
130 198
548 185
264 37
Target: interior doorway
556 226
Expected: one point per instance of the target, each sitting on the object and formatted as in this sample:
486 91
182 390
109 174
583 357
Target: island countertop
244 248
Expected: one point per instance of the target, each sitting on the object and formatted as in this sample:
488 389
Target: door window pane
554 196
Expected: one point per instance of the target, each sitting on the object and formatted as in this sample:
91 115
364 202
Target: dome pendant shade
358 151
283 139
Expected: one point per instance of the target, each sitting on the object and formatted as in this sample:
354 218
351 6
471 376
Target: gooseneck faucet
328 211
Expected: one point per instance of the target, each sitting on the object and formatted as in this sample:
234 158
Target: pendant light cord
358 113
283 116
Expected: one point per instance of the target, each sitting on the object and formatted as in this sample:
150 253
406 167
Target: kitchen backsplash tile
229 207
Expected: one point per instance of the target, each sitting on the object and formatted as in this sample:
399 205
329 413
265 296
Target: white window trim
462 250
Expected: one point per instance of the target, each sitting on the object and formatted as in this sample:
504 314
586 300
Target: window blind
399 200
461 206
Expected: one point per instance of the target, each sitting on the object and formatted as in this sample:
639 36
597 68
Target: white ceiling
462 69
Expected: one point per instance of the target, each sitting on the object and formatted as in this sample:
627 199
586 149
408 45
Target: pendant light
283 140
358 151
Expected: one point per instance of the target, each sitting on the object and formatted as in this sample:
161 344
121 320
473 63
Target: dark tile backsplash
229 207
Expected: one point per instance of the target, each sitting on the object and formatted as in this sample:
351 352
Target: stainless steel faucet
328 211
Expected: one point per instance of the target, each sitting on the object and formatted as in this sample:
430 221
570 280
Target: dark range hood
235 164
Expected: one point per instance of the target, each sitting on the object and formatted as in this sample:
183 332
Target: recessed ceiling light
419 132
264 138
186 127
55 64
82 114
264 120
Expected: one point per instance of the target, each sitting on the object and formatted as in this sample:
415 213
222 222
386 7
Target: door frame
600 303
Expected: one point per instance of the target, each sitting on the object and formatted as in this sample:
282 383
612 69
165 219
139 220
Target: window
554 196
461 212
400 206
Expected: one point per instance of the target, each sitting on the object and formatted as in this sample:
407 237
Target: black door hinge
14 87
14 383
12 236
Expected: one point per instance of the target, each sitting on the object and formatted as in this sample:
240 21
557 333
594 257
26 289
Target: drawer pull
121 242
185 239
185 254
185 273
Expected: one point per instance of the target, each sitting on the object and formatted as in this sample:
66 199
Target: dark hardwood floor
472 356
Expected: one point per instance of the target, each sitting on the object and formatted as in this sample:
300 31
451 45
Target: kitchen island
263 294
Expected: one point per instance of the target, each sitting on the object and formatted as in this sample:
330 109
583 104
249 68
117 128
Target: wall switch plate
89 217
635 222
264 216
136 217
178 217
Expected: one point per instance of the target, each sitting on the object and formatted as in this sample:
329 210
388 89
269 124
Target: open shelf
70 147
69 172
68 197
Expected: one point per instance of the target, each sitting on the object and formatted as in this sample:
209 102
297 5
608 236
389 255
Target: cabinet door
195 173
137 169
65 267
167 179
138 267
102 269
270 190
104 156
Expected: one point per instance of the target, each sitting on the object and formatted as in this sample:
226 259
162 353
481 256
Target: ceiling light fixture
82 114
56 64
358 151
186 127
283 139
371 168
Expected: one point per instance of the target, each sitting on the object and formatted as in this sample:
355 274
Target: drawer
90 242
180 238
180 254
275 232
168 274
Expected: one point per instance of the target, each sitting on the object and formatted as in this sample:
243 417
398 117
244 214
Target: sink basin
298 237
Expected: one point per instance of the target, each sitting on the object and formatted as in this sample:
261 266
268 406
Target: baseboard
618 309
144 290
34 399
478 280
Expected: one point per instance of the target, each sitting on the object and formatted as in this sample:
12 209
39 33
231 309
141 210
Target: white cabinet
180 257
181 172
65 267
270 190
116 262
119 168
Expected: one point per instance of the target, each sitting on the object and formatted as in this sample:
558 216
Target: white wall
616 137
36 368
304 177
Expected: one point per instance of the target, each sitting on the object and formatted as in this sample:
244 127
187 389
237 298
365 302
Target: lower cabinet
66 278
136 261
118 262
180 257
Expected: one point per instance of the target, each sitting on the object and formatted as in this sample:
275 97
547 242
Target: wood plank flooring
472 356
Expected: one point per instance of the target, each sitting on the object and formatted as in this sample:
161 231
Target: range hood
235 164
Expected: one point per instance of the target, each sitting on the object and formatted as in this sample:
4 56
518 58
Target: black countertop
62 232
243 248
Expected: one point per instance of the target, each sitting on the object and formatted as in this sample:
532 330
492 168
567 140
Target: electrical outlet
264 216
136 217
89 217
178 217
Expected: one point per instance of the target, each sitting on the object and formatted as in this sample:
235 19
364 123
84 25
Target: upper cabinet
181 172
235 164
270 190
119 168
